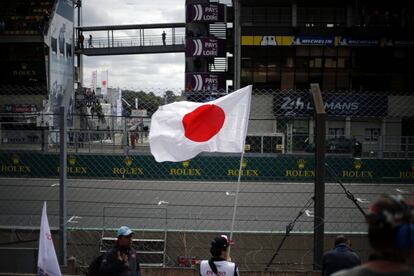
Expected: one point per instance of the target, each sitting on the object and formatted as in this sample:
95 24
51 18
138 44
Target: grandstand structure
37 56
357 51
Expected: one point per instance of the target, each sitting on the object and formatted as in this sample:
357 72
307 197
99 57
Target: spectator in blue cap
121 260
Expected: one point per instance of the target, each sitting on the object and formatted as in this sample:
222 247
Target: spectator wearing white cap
121 260
219 264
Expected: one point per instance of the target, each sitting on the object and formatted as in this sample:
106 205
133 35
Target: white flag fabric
104 82
181 130
94 81
47 263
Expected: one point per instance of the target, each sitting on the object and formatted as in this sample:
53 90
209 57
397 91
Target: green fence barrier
215 168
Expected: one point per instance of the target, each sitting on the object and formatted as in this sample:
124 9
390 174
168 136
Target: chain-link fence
177 208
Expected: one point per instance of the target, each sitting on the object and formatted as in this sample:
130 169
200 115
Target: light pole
237 48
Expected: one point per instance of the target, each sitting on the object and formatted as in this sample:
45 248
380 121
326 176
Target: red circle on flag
201 124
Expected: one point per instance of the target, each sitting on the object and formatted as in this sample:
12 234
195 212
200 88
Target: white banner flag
94 81
47 263
104 83
181 130
119 107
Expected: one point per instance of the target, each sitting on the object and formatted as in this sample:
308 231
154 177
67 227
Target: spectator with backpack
219 264
391 235
121 260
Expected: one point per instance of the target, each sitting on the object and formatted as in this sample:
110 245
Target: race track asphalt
185 205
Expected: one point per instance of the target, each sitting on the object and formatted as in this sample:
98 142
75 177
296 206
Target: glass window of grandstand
266 15
336 132
261 68
334 68
300 134
313 16
372 134
328 66
376 14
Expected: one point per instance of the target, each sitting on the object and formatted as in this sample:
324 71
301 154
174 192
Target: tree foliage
148 101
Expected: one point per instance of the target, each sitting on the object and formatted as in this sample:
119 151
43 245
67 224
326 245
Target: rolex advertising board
289 168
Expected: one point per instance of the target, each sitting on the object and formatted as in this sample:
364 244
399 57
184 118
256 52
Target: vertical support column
349 16
311 131
348 127
62 188
294 15
382 140
109 42
318 226
237 47
125 137
112 36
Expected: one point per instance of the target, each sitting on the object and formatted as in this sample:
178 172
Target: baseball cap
221 242
124 231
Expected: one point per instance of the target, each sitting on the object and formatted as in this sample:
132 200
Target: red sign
20 108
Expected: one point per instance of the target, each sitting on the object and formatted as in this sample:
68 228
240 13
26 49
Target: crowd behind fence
113 180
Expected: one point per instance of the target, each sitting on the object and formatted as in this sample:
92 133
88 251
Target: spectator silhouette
164 36
390 222
81 40
220 263
121 260
90 41
341 257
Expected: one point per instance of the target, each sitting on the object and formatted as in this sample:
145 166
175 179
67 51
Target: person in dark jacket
341 257
390 220
121 260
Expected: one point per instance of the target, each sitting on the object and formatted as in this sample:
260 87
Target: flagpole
236 198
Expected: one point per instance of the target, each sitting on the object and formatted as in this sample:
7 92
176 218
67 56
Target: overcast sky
160 71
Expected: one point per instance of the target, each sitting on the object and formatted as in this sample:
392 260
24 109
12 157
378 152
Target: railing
125 141
132 41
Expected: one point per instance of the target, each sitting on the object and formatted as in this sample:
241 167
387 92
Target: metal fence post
62 187
125 138
318 228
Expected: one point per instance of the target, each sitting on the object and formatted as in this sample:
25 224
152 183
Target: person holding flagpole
220 263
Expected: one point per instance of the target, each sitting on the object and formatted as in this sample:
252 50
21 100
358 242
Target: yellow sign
185 171
129 169
357 172
244 171
15 166
72 168
408 173
23 71
301 171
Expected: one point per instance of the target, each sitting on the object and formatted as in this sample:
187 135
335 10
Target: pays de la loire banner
208 13
205 47
205 82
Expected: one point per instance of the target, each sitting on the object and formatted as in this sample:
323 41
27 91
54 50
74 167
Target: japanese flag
47 263
181 130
